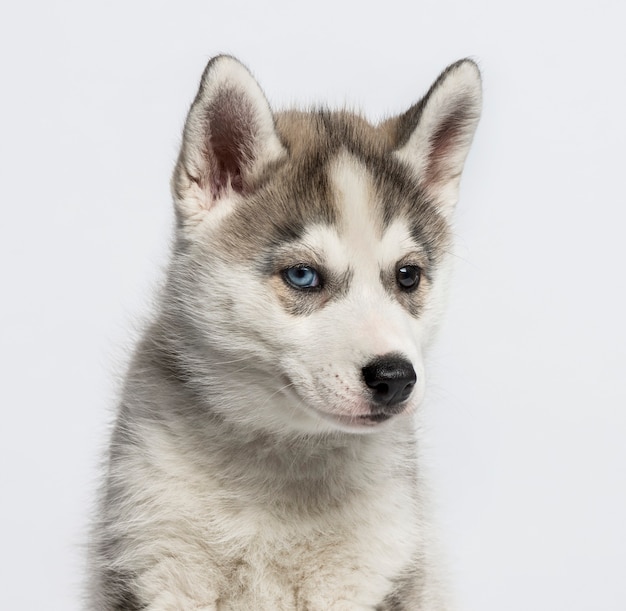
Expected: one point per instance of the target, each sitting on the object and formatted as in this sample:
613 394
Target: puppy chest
314 569
352 554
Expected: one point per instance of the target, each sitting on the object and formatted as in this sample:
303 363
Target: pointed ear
228 140
435 134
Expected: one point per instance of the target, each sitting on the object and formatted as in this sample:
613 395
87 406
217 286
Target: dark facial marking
269 223
413 297
396 187
304 301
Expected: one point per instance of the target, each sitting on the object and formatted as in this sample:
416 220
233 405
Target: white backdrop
526 417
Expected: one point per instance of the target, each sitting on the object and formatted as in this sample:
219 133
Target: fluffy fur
264 453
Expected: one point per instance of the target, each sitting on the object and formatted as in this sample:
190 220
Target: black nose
391 377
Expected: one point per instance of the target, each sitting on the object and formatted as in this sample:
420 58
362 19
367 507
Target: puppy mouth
359 421
380 417
376 416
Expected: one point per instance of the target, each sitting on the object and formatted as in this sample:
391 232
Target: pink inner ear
444 143
229 141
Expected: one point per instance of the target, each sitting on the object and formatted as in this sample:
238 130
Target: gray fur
225 489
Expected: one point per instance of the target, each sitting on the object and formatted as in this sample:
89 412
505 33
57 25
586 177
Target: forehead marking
359 223
364 232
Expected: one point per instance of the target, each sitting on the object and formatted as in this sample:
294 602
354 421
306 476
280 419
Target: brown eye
408 277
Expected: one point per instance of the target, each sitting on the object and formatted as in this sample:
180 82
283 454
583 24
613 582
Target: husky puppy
264 453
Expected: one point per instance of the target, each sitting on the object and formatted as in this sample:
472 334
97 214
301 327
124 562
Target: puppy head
312 250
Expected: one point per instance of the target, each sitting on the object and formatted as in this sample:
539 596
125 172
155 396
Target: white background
526 419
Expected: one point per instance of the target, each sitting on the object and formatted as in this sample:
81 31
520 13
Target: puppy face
313 251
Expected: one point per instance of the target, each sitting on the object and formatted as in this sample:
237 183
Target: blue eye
302 277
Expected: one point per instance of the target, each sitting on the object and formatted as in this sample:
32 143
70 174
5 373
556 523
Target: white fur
193 552
367 322
246 470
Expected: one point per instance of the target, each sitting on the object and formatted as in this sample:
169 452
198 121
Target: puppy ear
434 136
228 140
